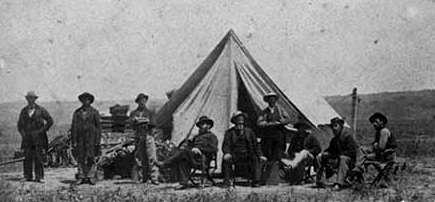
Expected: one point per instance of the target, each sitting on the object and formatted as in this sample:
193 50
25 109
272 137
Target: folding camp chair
206 168
384 168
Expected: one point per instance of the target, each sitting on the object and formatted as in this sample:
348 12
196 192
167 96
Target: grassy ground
417 183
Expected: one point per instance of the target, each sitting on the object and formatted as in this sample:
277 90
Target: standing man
240 148
142 113
384 145
272 120
33 124
341 154
142 130
86 138
192 151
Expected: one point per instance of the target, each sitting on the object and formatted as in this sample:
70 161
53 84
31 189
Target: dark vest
275 116
241 144
273 131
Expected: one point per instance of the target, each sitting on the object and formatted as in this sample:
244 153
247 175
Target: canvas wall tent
227 80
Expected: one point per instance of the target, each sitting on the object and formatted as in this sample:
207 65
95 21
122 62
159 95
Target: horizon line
163 98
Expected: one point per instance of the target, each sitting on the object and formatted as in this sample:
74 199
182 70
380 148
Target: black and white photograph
228 100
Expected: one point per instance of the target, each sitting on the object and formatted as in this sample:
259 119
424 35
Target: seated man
382 150
190 153
384 145
341 154
304 147
241 149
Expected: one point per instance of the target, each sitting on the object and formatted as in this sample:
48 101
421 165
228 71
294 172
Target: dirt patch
59 178
418 183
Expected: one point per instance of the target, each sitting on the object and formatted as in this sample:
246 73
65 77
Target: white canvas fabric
213 90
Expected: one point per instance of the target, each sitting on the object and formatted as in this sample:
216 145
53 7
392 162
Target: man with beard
86 138
241 149
192 151
33 124
341 155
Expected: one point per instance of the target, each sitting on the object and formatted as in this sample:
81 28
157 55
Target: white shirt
31 112
272 109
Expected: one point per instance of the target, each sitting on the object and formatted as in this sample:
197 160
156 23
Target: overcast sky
117 48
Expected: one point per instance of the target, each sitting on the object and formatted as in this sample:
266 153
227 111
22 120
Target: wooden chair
205 169
308 176
236 173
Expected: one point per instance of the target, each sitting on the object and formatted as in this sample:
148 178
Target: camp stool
383 170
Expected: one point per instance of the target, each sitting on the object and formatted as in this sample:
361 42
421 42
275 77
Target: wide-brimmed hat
237 114
86 95
141 96
302 126
31 94
337 120
270 95
204 119
379 116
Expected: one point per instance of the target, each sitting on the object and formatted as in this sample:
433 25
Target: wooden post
355 101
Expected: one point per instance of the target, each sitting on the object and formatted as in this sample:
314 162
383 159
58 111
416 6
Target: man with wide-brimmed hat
241 149
384 146
141 120
271 122
192 151
86 138
140 170
340 155
33 123
304 147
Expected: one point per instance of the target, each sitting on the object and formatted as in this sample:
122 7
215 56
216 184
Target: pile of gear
117 148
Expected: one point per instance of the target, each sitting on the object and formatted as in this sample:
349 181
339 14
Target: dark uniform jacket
34 128
343 144
86 132
206 142
232 139
308 142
